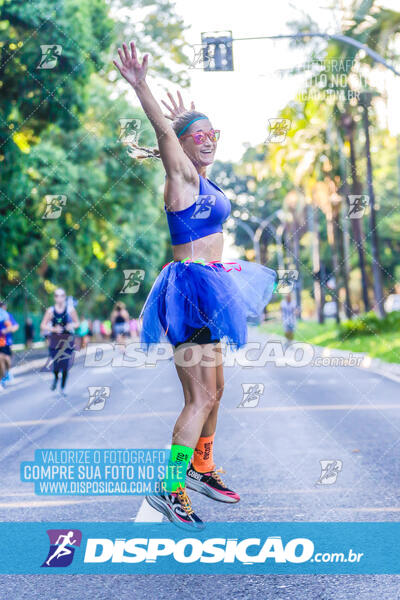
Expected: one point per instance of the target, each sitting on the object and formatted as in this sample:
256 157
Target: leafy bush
369 324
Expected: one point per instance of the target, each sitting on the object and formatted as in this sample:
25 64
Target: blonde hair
140 152
178 124
60 289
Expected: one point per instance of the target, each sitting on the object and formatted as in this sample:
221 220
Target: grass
385 346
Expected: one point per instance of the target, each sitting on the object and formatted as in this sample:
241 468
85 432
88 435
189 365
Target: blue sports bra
202 218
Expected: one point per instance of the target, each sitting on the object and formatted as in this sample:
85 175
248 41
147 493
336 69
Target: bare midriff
208 248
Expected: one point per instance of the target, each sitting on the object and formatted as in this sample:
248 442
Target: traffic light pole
224 42
335 36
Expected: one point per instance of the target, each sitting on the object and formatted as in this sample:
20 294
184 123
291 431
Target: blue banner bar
242 548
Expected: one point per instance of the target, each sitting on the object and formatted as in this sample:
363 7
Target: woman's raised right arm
175 161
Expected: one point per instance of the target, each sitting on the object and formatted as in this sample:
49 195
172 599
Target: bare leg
5 364
210 424
199 384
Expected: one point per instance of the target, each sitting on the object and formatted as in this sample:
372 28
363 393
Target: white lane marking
33 436
279 491
15 494
305 407
294 382
146 513
157 517
88 414
46 503
355 509
171 413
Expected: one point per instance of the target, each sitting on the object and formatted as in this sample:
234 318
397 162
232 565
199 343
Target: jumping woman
196 300
59 323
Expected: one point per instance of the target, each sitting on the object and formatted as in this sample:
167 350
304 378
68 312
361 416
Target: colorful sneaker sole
207 490
162 506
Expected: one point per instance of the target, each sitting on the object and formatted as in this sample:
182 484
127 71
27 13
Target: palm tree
365 101
294 206
325 196
349 126
375 27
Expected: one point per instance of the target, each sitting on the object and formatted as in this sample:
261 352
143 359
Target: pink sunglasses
199 137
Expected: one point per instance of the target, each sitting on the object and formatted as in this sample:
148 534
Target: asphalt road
271 454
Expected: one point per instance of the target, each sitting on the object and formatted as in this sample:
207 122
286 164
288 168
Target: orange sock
203 454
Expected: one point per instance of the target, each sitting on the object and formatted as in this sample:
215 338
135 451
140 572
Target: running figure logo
133 279
65 351
50 56
54 206
278 130
251 395
62 547
286 280
330 469
357 206
130 129
204 204
203 53
98 396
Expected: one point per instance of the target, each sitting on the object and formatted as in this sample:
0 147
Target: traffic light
217 51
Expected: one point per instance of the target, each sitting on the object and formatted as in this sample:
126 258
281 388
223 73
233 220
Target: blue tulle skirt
190 295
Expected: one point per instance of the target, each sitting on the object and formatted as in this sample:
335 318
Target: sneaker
8 379
210 484
177 508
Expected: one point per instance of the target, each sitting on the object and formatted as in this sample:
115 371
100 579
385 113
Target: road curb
368 363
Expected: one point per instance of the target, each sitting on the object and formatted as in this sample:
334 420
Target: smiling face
201 155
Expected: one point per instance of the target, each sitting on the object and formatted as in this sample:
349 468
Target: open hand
177 109
130 68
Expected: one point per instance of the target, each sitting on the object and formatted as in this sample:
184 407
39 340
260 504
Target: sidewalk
375 365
